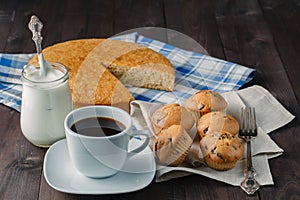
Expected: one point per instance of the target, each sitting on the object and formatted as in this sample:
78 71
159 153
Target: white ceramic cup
101 156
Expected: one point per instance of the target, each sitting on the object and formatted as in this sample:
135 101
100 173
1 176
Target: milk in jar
46 101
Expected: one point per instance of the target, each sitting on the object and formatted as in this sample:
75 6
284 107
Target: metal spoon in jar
35 25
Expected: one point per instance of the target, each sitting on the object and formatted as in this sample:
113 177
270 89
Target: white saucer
60 174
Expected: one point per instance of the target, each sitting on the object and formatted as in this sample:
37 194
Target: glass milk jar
46 101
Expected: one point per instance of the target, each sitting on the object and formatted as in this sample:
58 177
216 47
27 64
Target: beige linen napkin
270 116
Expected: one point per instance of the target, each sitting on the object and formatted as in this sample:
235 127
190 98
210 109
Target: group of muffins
219 144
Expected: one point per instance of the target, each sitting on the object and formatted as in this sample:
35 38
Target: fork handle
250 171
249 184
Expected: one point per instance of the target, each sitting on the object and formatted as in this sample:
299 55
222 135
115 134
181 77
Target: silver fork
247 132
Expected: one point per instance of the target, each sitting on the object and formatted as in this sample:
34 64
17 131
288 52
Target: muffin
205 101
217 121
221 150
169 115
172 145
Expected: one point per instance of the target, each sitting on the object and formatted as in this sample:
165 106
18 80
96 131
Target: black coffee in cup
98 127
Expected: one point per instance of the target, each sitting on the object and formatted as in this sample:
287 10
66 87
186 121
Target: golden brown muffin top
171 114
206 101
217 121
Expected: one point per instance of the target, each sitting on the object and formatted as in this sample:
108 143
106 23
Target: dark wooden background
263 34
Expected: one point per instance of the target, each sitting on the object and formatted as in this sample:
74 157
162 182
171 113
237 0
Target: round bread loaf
169 115
96 66
206 101
221 150
172 145
217 121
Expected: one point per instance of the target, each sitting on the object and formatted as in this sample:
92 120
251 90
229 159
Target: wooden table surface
263 34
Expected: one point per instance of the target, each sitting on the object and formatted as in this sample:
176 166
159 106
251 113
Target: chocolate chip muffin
172 145
221 150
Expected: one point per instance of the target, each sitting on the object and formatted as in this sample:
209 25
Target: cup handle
142 146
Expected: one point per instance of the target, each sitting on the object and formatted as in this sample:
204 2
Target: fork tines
248 122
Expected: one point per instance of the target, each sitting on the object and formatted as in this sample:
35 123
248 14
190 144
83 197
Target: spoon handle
35 25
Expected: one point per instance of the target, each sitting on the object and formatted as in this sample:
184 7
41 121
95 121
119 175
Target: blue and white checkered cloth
194 72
